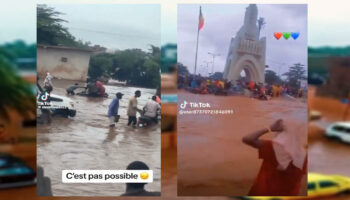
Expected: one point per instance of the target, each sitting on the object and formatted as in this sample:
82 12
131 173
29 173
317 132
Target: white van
339 131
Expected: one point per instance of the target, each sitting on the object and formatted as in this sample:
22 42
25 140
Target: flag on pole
201 19
200 26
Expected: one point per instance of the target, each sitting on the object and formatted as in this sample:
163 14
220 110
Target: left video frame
17 100
98 103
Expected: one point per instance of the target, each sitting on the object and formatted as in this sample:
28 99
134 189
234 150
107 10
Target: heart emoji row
286 35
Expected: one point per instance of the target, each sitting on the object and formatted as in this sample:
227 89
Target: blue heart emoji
295 35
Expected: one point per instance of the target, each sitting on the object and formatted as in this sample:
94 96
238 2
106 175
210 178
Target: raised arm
253 139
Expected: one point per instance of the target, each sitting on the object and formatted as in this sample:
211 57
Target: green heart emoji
286 35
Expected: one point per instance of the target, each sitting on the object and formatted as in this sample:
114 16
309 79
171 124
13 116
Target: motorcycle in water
145 121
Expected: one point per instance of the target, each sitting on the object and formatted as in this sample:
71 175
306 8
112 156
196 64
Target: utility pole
206 62
214 55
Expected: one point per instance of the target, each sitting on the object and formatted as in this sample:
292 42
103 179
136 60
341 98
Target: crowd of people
205 85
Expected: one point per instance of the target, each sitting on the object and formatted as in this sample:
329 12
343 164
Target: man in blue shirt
113 110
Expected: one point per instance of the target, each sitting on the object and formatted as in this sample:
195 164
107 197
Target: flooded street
325 155
212 159
86 142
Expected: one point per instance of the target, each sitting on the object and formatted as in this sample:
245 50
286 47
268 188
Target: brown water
212 160
199 154
86 142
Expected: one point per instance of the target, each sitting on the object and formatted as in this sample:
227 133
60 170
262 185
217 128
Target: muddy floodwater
86 142
327 156
212 159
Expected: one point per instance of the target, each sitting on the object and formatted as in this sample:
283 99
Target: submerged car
57 105
339 131
319 185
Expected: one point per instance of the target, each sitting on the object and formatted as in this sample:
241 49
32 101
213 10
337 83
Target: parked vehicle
327 185
57 105
339 131
319 185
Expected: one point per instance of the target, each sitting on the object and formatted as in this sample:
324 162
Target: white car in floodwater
58 105
339 131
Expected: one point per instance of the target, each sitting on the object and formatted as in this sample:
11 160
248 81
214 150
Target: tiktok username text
205 108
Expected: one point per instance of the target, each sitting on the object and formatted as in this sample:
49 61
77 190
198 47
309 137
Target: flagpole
195 62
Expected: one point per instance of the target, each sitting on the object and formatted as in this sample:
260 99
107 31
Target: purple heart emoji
295 35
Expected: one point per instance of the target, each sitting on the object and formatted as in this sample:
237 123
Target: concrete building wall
63 63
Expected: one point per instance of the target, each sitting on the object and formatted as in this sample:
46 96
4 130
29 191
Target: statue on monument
247 50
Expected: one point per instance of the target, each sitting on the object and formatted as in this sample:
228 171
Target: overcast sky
328 21
17 21
113 26
223 21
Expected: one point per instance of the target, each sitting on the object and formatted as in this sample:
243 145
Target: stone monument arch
247 51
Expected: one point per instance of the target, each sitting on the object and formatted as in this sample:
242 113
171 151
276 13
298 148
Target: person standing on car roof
113 110
48 87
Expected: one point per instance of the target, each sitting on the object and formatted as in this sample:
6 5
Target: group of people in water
93 88
202 85
149 112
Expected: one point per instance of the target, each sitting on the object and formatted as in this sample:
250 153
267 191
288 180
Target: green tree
17 49
217 75
50 29
155 53
295 74
182 69
100 65
16 94
272 78
136 67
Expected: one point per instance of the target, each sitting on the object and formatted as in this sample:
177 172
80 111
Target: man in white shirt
151 108
132 109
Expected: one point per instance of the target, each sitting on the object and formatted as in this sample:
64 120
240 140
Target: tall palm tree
15 93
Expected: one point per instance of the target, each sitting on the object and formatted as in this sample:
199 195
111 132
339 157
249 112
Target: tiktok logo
45 96
183 105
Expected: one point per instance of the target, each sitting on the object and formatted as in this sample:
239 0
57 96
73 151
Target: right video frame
242 100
